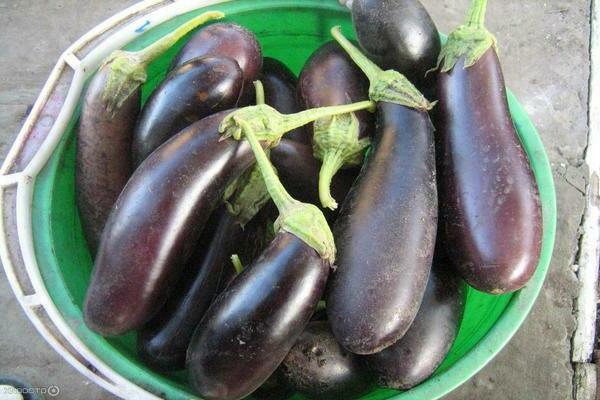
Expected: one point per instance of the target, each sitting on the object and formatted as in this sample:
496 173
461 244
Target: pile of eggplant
274 234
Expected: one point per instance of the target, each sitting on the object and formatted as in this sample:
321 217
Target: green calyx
305 221
127 70
385 86
237 263
308 223
269 125
247 197
470 40
336 144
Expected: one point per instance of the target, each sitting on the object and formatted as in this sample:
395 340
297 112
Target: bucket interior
289 31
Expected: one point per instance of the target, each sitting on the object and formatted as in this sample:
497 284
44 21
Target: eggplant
491 211
299 172
319 368
224 40
253 324
331 78
416 356
386 230
280 93
110 109
175 190
194 90
163 342
398 35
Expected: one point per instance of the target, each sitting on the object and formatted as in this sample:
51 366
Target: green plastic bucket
289 30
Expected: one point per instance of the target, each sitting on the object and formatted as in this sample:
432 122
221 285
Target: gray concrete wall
544 50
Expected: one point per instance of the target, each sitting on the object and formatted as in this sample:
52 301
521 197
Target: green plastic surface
289 30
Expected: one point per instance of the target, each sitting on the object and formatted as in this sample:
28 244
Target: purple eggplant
191 92
416 356
253 324
386 230
224 40
110 109
174 191
319 368
399 35
331 78
163 342
491 212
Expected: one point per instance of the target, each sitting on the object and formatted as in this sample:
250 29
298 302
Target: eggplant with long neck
109 113
330 78
253 324
386 230
491 212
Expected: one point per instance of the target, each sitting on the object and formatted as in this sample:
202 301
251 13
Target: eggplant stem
294 121
370 69
150 53
333 161
280 196
305 221
127 70
269 125
476 17
388 86
336 142
469 41
260 92
237 263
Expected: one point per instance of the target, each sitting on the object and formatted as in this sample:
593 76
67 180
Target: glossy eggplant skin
280 93
253 324
191 92
299 172
491 211
331 78
224 40
416 356
319 368
175 190
399 35
163 342
386 235
104 162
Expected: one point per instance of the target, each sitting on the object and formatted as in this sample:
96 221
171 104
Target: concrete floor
544 50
